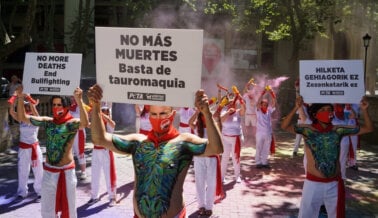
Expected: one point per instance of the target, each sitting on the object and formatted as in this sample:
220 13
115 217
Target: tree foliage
296 20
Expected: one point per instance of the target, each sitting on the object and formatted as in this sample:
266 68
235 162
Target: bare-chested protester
59 179
162 158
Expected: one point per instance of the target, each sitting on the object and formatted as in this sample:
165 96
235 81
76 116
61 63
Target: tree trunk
24 38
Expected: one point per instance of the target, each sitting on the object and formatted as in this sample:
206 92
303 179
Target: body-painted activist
59 179
324 184
162 158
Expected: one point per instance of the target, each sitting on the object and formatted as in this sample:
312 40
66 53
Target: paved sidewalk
262 193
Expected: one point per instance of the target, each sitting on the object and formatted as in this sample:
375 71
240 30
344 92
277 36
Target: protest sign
149 66
331 81
51 73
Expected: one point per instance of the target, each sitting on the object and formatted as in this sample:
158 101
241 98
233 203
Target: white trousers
250 119
228 150
185 129
24 163
76 144
101 161
262 147
354 140
344 151
205 172
49 184
298 139
315 194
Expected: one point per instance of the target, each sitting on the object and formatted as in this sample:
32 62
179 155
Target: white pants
263 142
228 150
101 160
250 120
314 195
49 184
205 172
344 151
76 144
24 163
185 129
354 140
298 139
137 124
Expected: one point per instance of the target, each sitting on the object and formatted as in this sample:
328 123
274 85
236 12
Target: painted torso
159 171
58 138
325 147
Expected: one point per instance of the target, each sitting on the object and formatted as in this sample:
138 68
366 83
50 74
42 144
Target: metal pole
366 48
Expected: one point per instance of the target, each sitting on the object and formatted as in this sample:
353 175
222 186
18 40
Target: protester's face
325 114
27 108
161 118
57 103
105 111
160 112
57 108
14 79
264 104
327 108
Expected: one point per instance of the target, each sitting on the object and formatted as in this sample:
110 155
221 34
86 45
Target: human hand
364 104
298 102
95 94
78 94
202 101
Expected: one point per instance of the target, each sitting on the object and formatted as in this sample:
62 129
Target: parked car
3 88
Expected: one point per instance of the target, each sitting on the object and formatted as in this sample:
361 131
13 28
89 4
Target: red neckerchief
63 119
172 133
321 129
264 110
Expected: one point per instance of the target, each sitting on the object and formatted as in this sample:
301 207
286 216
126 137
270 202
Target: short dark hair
66 100
315 107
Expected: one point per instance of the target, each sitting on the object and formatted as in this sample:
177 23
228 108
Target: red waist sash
61 201
340 192
33 146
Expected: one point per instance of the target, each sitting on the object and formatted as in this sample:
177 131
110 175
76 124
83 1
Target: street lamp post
366 40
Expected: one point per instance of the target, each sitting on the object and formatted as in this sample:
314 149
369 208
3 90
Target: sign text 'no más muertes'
331 81
149 66
51 73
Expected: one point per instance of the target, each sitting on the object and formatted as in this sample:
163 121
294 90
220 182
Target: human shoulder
189 137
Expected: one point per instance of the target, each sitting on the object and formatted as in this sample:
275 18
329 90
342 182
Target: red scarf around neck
172 133
63 118
320 128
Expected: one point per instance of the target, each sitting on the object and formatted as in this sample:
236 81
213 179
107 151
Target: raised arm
21 114
99 134
368 124
98 131
78 95
109 120
215 145
193 120
286 122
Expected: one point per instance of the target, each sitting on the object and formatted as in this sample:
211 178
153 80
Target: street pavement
262 192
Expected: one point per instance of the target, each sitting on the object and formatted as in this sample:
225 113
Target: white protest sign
149 66
51 73
331 81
